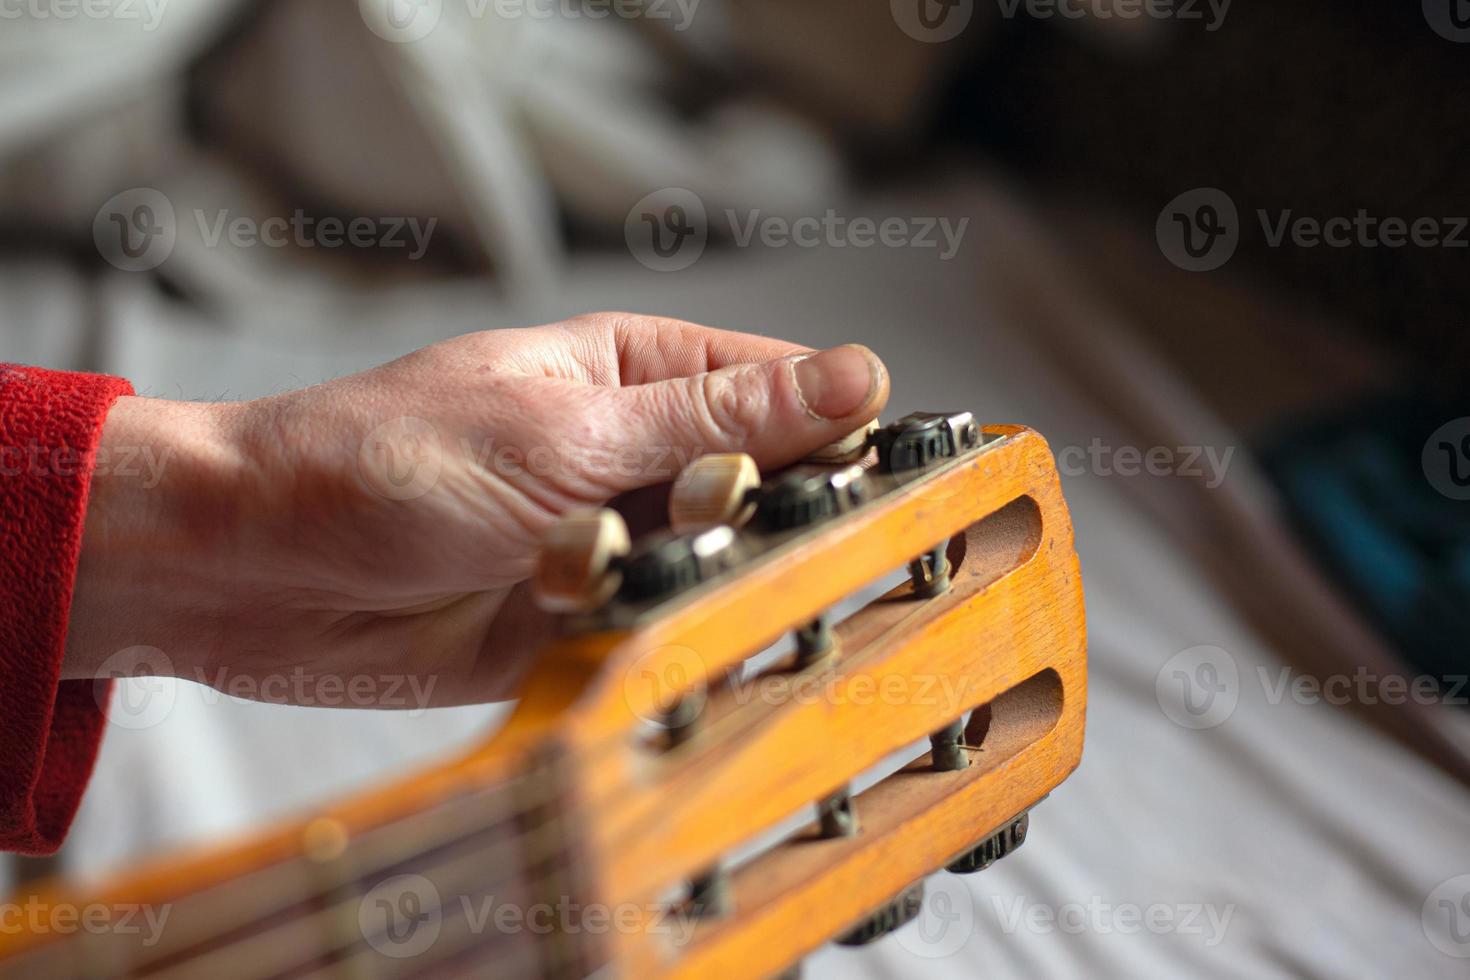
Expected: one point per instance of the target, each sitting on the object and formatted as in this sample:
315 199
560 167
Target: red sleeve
50 423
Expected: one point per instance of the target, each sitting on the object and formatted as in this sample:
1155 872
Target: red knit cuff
50 424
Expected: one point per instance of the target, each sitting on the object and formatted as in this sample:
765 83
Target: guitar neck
484 876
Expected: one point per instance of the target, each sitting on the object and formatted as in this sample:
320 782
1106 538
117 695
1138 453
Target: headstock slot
911 823
789 736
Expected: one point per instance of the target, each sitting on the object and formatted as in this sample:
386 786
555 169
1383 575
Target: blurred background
1217 254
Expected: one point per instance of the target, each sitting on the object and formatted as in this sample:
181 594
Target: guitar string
360 879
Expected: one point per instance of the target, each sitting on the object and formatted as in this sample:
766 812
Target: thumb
777 411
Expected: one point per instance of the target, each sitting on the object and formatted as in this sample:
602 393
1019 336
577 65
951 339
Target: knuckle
733 405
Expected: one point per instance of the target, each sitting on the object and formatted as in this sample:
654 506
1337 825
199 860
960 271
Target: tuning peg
578 567
814 641
836 816
922 439
714 489
930 572
992 848
947 748
709 894
894 914
848 449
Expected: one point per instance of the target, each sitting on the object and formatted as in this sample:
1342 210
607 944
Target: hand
381 527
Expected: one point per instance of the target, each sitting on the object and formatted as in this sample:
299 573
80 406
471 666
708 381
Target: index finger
630 349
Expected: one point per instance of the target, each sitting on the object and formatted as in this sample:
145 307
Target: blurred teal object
1380 492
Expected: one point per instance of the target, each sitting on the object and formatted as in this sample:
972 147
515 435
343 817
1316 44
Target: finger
629 349
778 411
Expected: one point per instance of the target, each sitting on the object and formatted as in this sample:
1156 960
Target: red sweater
50 424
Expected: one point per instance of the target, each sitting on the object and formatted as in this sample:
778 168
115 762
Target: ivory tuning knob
714 489
576 571
849 449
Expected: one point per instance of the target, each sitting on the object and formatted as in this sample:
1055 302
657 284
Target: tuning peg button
893 914
849 449
714 489
578 570
992 848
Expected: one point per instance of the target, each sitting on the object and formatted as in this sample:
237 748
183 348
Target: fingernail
834 383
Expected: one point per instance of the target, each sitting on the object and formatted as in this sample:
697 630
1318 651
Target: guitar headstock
679 762
650 809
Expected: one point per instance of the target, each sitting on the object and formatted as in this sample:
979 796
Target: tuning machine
992 848
921 439
894 914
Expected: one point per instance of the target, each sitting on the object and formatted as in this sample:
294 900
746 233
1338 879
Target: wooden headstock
607 815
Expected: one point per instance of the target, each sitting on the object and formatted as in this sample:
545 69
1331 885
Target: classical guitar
653 808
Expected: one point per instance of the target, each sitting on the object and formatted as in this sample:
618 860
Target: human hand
382 526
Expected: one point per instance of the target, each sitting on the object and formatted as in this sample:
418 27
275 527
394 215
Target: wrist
159 523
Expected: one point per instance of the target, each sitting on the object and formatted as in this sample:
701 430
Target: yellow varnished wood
648 819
